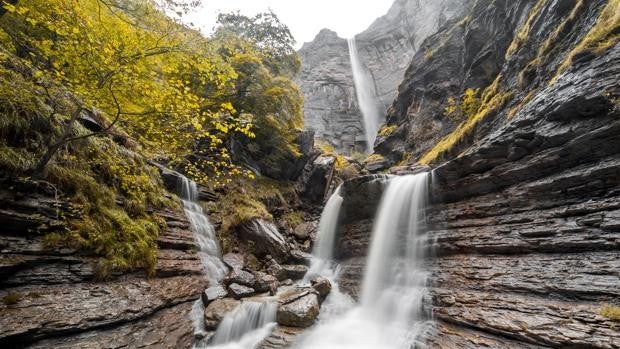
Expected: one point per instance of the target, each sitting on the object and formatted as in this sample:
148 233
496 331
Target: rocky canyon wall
385 48
524 215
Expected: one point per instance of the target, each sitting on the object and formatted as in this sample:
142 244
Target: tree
267 34
147 72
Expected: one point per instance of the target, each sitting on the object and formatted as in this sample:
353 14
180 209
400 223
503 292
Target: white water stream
389 315
366 97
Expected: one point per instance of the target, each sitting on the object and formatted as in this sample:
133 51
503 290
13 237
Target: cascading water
323 250
246 326
389 315
366 96
209 249
204 232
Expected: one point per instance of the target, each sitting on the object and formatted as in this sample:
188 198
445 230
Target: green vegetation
12 298
524 31
491 101
604 34
158 91
387 130
470 102
611 312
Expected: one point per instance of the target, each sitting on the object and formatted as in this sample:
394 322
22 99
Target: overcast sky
305 18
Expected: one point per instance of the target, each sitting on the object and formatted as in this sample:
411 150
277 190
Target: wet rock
240 277
298 309
322 286
305 230
300 257
314 183
275 269
239 291
234 261
265 282
216 311
266 239
294 271
213 293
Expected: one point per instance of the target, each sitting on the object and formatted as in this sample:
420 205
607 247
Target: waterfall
389 315
323 250
204 233
246 326
366 96
208 247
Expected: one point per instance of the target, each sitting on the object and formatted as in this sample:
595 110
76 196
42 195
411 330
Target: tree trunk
53 148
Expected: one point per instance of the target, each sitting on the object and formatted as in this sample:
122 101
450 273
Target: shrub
12 298
611 312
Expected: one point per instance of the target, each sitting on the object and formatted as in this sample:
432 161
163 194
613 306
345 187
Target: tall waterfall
389 315
366 96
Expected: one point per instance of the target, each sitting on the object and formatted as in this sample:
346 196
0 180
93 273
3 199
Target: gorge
456 184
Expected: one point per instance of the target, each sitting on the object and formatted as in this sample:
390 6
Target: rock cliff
58 300
385 48
524 214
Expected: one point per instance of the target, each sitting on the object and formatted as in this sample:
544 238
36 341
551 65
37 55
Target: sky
305 18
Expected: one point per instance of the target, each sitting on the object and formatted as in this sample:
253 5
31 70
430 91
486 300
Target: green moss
111 189
12 298
524 31
387 130
293 218
374 158
611 312
604 34
491 101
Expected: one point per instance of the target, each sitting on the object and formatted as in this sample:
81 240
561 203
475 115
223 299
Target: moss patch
611 312
491 101
604 34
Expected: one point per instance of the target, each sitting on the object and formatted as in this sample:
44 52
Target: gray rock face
63 305
523 217
299 309
385 48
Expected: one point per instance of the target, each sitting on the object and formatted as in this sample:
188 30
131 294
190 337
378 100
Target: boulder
299 309
240 291
265 282
300 257
322 286
216 311
305 230
266 239
316 179
275 269
213 293
240 277
234 261
295 271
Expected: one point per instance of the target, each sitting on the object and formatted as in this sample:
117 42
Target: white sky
305 18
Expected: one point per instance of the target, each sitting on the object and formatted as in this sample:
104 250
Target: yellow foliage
603 35
524 31
611 311
387 130
491 101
